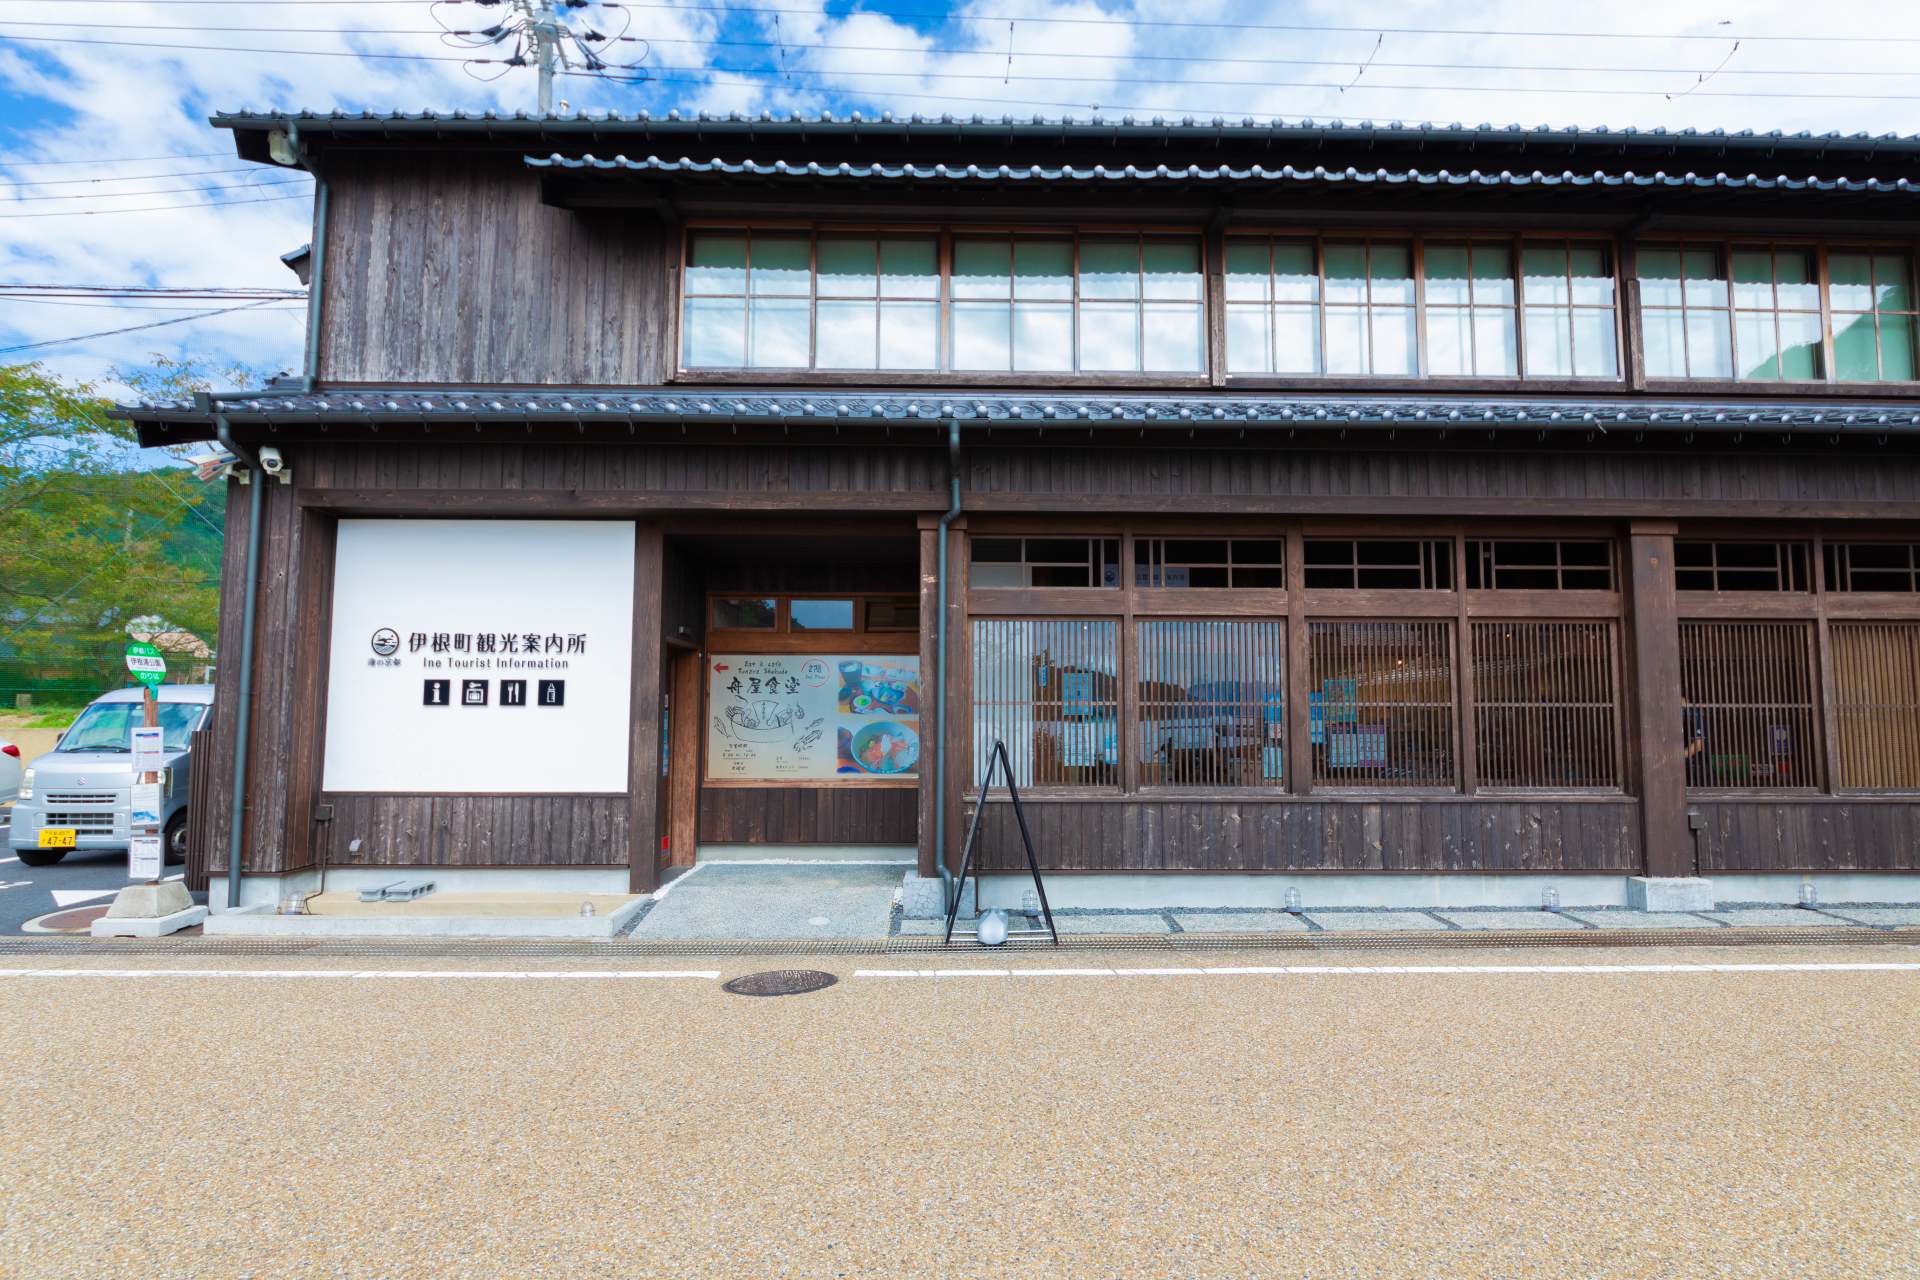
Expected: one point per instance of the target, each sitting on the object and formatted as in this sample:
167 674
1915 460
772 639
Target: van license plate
57 838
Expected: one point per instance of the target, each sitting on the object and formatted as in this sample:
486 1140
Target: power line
229 48
149 290
151 208
135 328
179 155
162 191
122 306
132 177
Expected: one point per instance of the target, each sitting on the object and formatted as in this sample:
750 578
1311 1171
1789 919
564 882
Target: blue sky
88 130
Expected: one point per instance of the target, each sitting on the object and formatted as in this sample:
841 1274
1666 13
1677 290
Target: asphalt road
430 1120
78 880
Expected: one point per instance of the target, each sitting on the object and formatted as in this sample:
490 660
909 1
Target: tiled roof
660 405
887 122
1208 174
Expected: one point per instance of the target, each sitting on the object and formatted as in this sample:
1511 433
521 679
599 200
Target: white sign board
807 717
149 749
145 858
145 810
481 656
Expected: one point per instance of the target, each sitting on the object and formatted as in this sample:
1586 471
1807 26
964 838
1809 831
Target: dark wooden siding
1813 834
1434 835
809 815
449 269
476 831
200 852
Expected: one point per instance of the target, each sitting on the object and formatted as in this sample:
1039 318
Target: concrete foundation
922 897
110 926
1669 893
267 891
149 911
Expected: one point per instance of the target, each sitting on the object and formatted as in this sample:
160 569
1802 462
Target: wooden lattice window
1873 566
1212 703
1049 688
1876 685
1546 705
1740 566
1519 564
1209 562
1747 705
1379 564
1381 704
1045 562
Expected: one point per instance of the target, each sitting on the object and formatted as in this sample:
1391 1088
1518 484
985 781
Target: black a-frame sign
997 762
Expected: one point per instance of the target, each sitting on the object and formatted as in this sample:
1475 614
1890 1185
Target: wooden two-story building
1398 513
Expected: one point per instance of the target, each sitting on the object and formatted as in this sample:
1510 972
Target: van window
105 726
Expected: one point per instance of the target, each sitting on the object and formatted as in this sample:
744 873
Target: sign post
146 664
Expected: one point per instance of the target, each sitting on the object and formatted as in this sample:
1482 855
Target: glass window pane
846 335
1896 348
1294 276
820 615
1494 353
1593 343
847 268
781 264
1802 355
735 614
1545 267
1346 271
1449 339
1447 276
1665 335
1795 282
1296 336
1248 339
982 268
1850 281
717 264
1043 336
1752 278
1659 277
1706 283
1493 274
1395 344
1592 275
1172 269
909 335
1757 344
1390 267
1709 345
1042 269
1346 340
1856 354
982 335
716 335
1172 339
777 333
1893 281
1549 352
1108 268
1109 335
1249 277
910 268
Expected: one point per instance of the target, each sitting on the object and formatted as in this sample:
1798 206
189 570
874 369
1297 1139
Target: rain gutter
256 487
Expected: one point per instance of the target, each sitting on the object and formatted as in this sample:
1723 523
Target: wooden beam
1410 505
643 747
451 503
1657 745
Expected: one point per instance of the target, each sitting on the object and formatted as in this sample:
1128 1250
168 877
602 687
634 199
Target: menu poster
776 718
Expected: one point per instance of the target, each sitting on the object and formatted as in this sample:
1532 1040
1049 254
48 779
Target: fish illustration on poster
810 718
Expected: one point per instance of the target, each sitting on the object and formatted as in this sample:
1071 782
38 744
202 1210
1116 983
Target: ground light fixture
1550 898
992 930
1809 896
1293 900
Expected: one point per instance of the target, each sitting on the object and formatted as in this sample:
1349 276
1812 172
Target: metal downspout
940 670
236 818
317 274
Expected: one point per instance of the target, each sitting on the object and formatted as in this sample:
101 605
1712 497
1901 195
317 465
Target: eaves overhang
175 421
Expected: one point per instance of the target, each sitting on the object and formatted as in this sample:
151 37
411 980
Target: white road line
1329 969
431 974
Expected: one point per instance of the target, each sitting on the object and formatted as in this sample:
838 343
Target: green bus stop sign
146 664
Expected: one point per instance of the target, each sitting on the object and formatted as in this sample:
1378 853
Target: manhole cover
780 982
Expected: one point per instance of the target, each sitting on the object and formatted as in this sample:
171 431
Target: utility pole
546 29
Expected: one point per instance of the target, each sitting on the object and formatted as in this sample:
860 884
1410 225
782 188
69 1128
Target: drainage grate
780 982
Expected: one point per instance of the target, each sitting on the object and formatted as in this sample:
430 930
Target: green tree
92 535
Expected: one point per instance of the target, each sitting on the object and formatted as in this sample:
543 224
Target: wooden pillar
643 743
1299 673
1657 748
958 734
930 699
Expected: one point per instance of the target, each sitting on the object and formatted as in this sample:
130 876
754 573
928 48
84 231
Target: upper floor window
1873 566
1209 562
1045 562
1760 312
1111 304
1522 564
1740 566
1479 307
786 300
1379 564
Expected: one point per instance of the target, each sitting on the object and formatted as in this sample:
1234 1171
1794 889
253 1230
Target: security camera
271 462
